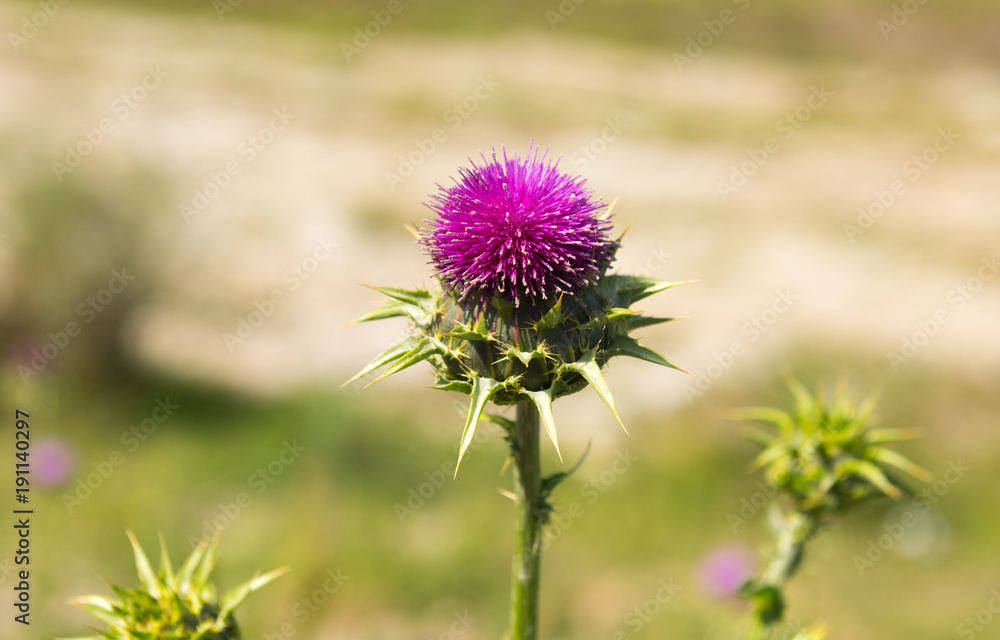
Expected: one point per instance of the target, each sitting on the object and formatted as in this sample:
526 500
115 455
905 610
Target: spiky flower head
526 310
519 229
825 455
169 605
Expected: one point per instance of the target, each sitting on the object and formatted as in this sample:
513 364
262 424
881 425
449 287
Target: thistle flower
526 311
517 229
169 605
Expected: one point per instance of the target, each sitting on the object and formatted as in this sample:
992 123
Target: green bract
497 353
169 605
825 456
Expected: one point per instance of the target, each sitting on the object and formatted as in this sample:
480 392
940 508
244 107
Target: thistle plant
525 312
825 458
170 605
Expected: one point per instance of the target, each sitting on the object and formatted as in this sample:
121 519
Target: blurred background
191 194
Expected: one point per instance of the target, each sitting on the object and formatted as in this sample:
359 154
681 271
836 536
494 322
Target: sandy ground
658 139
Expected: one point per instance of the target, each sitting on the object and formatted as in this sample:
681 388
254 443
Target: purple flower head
53 464
518 229
723 570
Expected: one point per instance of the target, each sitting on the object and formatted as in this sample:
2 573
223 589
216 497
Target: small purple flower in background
724 569
518 229
52 463
22 352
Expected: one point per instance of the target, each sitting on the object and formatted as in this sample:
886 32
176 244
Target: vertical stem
527 525
792 531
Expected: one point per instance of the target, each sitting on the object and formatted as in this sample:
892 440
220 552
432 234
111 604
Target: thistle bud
170 605
825 455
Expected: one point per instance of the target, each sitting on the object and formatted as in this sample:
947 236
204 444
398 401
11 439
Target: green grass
333 508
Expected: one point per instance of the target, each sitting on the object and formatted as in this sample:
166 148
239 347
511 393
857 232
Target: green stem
527 525
792 531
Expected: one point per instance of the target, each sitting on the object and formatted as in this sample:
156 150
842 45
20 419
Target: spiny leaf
145 571
552 480
552 318
887 434
236 597
615 313
766 414
124 594
769 455
872 474
207 563
622 345
452 385
865 410
391 309
475 331
827 483
805 404
890 457
637 321
466 333
92 601
624 290
482 390
505 423
446 349
420 305
412 296
389 355
418 354
259 581
423 318
165 567
186 573
543 402
758 436
525 357
591 371
98 607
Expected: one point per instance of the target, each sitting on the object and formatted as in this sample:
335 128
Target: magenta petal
517 228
